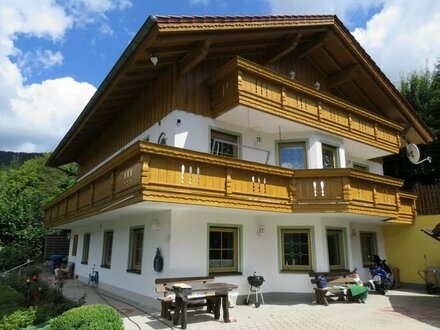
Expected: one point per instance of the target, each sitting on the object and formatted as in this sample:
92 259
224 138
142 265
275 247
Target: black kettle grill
255 281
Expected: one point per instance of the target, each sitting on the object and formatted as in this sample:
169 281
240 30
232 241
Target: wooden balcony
242 82
157 173
352 191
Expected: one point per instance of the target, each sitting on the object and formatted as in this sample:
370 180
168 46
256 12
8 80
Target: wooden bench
339 278
167 299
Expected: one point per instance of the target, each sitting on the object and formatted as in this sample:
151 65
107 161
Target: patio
399 309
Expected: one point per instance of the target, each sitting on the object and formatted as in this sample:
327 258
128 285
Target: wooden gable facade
210 65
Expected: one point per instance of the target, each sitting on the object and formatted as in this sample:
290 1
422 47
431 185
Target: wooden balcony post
283 97
145 170
346 189
228 181
375 196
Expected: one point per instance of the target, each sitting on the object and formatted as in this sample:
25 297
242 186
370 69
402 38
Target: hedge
90 317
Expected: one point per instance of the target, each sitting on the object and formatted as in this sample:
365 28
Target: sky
54 54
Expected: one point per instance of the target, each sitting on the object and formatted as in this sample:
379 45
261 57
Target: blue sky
55 53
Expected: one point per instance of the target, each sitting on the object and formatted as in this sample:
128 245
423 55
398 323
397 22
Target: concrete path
399 309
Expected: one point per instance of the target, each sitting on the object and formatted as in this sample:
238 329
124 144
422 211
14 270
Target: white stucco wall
182 237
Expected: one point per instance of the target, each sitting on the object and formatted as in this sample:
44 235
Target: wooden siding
189 92
428 201
246 83
157 173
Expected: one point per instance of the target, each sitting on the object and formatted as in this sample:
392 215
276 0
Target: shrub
90 317
10 301
18 320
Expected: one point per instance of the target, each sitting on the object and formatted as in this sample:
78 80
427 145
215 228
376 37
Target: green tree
24 191
422 91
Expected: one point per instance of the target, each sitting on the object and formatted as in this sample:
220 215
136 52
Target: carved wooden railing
352 191
153 172
243 82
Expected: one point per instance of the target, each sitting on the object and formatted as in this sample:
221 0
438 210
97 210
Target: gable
319 44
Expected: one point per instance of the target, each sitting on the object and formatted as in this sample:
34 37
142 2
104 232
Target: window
136 247
224 144
107 249
296 250
86 248
360 167
368 248
336 251
74 245
329 156
223 249
292 155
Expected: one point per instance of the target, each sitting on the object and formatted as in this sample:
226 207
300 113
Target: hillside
18 158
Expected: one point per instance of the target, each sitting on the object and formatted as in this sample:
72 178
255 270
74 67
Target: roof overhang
186 41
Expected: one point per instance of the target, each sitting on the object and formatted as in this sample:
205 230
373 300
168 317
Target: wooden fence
428 199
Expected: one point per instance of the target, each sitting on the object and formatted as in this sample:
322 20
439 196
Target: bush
90 317
10 301
18 320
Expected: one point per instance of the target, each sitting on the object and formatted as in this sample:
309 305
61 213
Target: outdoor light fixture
292 75
260 230
258 139
154 59
178 122
353 232
317 85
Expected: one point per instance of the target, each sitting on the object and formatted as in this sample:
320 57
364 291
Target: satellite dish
413 154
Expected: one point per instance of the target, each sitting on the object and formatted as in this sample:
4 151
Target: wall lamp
154 59
292 75
317 85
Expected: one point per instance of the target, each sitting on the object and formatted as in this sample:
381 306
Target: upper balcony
243 83
147 172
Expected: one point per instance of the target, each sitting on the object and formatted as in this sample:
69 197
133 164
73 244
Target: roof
171 38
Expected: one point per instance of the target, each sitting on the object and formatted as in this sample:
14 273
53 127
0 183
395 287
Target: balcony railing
243 82
158 173
352 191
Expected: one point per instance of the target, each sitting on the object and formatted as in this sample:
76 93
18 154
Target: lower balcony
156 173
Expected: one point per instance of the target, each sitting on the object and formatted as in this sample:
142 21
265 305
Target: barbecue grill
255 281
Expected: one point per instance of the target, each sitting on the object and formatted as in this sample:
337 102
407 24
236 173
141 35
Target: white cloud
400 37
38 60
403 36
342 8
35 117
40 114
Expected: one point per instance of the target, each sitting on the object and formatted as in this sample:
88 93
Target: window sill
134 271
296 271
226 274
105 266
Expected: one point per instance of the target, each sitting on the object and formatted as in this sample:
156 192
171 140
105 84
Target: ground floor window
86 248
74 245
296 250
107 249
136 247
223 249
336 249
368 247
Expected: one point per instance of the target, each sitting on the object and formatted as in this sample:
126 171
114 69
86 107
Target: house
235 145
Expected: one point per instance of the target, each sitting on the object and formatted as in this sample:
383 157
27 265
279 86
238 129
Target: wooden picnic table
216 291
